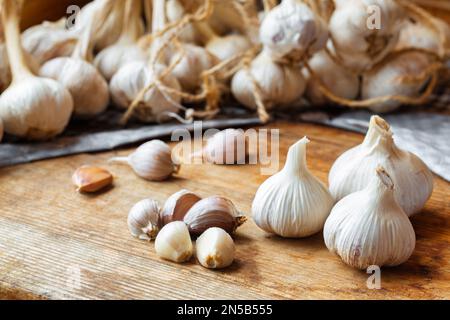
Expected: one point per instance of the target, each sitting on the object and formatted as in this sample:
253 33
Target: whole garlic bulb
293 29
412 179
178 205
144 219
174 243
369 227
402 75
213 212
151 161
292 203
227 147
215 249
280 84
175 12
358 46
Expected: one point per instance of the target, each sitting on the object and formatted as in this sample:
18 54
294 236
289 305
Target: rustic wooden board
48 232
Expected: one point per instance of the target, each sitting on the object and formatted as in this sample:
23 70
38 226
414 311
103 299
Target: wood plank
48 233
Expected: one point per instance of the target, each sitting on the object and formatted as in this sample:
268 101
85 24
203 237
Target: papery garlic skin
174 242
391 78
280 84
227 147
292 203
412 178
144 219
368 227
175 12
215 249
178 205
89 90
292 28
228 46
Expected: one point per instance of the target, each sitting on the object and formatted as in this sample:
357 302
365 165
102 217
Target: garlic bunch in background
369 227
292 203
144 219
293 30
175 12
360 36
174 242
215 249
32 107
351 172
405 75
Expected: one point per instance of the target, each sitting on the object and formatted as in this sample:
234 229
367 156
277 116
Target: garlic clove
215 249
292 203
369 227
412 178
144 219
177 205
227 147
213 212
91 179
174 243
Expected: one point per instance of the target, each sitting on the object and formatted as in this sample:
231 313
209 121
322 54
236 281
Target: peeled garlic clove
368 227
174 242
292 203
144 219
412 178
227 147
91 179
177 205
213 212
215 249
151 161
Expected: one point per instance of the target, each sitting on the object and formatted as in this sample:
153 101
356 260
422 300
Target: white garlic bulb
412 178
280 84
144 219
293 29
369 227
215 249
174 243
403 75
175 12
32 107
227 147
292 203
360 36
151 161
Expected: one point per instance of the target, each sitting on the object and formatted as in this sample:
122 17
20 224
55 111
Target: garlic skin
292 203
227 147
215 249
412 179
175 12
369 227
177 206
293 29
358 46
174 243
213 212
228 46
144 219
391 78
151 161
280 84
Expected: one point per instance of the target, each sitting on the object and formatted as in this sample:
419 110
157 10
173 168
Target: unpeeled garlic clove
213 212
174 242
369 227
177 205
227 147
215 249
91 179
144 219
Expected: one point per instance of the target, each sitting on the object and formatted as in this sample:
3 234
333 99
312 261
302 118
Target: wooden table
56 243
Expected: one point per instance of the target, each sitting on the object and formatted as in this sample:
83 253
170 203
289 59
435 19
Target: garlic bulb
292 203
292 29
369 227
405 75
334 77
215 249
177 206
227 147
151 161
358 43
144 219
412 179
174 242
213 212
32 107
175 12
280 84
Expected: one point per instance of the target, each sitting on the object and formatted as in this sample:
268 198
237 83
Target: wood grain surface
50 235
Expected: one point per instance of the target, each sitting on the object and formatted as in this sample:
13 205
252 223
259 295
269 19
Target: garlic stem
131 22
379 134
158 23
207 33
123 160
296 158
